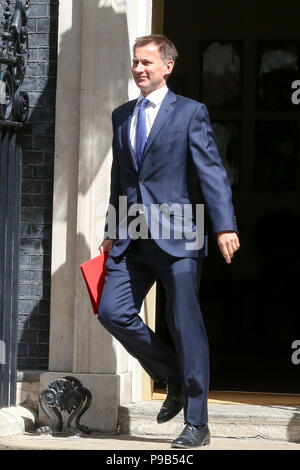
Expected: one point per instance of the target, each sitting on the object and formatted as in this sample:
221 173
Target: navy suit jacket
180 165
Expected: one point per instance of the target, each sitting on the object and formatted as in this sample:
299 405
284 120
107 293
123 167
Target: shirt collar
156 96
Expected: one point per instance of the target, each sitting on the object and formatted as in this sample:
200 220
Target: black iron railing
14 109
10 196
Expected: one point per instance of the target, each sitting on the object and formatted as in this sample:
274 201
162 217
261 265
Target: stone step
16 420
276 422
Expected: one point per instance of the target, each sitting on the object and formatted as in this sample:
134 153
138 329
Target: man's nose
139 67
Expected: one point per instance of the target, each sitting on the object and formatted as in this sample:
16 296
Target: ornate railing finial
65 394
14 53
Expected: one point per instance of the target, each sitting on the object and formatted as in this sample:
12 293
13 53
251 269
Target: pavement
124 442
233 427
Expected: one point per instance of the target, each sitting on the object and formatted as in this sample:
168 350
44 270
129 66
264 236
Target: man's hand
106 245
228 242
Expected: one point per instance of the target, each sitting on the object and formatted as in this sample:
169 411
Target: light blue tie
141 133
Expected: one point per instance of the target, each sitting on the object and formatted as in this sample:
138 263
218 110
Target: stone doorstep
16 420
225 420
23 417
276 422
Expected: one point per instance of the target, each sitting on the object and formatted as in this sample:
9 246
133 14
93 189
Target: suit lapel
164 113
126 135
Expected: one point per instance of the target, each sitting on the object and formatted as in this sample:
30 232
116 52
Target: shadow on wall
108 27
105 75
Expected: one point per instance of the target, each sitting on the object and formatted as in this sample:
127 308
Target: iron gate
10 196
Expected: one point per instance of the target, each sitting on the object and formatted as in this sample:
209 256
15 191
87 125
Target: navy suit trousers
129 278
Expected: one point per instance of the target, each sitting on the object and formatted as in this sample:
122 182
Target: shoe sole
182 446
159 421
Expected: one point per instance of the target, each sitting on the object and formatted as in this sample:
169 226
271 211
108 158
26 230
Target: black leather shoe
172 405
192 436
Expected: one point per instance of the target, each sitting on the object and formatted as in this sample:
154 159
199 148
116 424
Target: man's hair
166 48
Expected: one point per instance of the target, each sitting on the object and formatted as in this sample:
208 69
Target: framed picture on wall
277 68
229 143
221 73
275 161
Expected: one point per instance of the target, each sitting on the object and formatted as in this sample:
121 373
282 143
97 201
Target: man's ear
170 66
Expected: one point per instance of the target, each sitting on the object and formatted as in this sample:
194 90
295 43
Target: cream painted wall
94 57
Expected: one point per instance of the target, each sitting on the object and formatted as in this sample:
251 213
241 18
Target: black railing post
10 200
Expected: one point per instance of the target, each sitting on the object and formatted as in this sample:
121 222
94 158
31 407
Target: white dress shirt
155 99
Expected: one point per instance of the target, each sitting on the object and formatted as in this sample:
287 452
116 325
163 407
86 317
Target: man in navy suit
164 161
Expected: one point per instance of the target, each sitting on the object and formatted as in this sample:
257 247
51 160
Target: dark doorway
240 59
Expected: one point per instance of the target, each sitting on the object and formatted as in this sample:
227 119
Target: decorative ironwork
66 394
14 53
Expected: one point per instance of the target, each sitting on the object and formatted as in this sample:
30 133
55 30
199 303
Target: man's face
149 70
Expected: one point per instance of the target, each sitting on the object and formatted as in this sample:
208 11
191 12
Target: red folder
94 274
